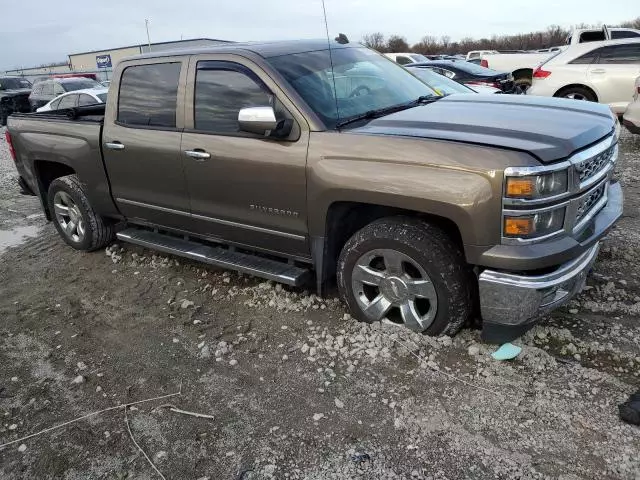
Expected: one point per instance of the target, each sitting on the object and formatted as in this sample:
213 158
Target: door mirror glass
260 120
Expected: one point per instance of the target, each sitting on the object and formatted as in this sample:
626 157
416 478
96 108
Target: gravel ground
296 388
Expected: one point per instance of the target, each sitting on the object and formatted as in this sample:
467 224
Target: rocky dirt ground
296 389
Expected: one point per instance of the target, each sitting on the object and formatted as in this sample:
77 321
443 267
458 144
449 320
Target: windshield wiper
381 112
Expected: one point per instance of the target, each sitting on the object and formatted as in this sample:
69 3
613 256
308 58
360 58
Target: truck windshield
364 81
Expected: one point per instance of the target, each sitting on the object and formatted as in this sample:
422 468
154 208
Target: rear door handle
198 154
599 70
114 145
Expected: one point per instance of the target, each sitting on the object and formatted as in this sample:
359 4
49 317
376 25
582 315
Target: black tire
521 85
577 93
98 233
3 118
432 249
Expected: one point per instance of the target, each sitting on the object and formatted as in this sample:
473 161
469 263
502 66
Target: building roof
264 49
153 45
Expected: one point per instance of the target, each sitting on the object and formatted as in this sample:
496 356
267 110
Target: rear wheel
75 220
408 272
577 93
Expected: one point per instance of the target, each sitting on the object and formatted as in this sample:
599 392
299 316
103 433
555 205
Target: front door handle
599 70
114 145
198 154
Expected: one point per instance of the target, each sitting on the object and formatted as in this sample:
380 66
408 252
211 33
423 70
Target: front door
141 143
244 188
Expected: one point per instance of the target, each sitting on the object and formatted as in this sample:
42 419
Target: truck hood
548 128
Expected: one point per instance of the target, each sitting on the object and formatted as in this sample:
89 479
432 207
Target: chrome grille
591 166
589 201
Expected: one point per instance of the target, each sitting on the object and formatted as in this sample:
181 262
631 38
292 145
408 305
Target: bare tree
553 35
396 44
375 41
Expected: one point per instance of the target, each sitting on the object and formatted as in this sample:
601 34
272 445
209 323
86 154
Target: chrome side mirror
260 120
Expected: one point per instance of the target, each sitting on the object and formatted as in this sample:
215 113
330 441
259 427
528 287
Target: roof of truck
264 49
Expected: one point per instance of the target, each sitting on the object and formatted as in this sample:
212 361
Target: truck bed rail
88 113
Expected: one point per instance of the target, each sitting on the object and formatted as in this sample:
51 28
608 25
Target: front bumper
510 303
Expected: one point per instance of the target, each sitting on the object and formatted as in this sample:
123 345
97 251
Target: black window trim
151 127
234 67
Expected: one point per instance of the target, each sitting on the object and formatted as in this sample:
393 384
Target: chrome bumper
515 300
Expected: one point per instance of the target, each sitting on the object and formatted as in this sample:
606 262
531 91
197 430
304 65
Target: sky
41 31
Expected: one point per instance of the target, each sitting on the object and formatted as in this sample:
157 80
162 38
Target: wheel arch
47 171
577 85
345 218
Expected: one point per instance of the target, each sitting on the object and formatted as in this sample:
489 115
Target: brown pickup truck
293 161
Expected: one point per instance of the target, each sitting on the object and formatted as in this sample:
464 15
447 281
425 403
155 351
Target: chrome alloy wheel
389 285
69 216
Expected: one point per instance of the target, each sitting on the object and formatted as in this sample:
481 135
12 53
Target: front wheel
75 220
407 272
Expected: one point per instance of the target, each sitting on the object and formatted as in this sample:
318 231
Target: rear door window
68 101
220 94
47 89
149 95
86 100
587 58
620 54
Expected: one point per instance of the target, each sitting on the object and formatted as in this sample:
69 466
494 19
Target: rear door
250 189
614 72
141 142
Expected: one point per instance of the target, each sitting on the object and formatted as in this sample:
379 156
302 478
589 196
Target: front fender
460 182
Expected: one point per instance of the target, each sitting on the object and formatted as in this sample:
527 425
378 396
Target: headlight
534 225
537 186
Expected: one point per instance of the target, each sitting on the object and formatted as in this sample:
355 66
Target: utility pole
146 24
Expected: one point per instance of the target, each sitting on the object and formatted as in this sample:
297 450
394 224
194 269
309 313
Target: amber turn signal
518 226
520 187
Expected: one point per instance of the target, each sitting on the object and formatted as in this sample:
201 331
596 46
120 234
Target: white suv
602 72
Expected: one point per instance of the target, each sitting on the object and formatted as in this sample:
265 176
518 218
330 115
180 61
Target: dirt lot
297 389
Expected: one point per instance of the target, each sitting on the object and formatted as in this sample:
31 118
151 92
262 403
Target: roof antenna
333 76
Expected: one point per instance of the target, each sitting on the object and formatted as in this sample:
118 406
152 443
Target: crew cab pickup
294 162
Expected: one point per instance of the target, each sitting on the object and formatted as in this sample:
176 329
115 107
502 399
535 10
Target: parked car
77 98
422 206
472 75
602 72
45 91
406 58
520 65
14 96
445 86
584 35
479 53
631 118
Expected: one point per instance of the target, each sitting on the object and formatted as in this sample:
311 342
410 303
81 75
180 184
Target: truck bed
70 137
